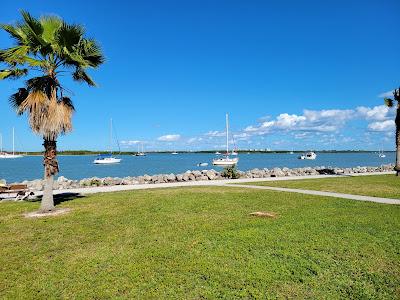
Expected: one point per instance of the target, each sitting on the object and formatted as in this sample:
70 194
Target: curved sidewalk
321 193
237 183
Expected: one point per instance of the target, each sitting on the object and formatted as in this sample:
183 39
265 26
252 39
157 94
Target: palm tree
391 103
47 47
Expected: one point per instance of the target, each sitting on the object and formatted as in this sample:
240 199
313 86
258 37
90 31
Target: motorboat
381 154
226 161
309 155
217 153
174 153
202 164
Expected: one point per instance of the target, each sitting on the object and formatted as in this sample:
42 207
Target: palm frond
18 98
45 84
50 26
12 73
389 102
81 75
68 36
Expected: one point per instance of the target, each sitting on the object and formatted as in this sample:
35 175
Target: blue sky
292 74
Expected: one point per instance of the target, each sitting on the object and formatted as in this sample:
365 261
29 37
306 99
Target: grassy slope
198 243
387 186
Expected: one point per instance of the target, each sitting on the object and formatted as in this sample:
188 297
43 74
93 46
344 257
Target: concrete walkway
321 193
229 183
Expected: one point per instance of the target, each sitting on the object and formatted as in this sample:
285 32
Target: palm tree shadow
60 198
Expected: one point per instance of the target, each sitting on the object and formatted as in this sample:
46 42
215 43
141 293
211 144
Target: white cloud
130 143
386 94
311 120
169 138
377 113
215 133
382 125
194 140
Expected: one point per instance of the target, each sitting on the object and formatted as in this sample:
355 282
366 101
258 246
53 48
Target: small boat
174 153
140 153
5 155
309 155
234 153
217 153
381 154
226 161
107 159
202 164
291 152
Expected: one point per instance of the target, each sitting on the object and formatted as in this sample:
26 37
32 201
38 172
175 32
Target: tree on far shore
391 102
48 47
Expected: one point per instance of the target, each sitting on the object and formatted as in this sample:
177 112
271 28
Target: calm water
78 167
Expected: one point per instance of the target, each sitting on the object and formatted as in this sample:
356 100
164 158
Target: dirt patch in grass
264 214
53 213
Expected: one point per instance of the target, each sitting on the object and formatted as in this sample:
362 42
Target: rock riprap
63 183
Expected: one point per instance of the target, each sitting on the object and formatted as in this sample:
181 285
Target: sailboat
381 154
107 159
5 154
226 161
140 153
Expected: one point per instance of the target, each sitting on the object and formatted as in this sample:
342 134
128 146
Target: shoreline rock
64 183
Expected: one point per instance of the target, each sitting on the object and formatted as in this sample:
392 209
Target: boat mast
227 134
13 142
111 135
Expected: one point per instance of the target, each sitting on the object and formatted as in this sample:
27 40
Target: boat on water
174 153
217 153
202 164
381 154
234 153
309 155
226 161
140 153
107 159
5 155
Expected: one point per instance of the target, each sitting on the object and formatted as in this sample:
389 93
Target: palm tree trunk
50 169
397 167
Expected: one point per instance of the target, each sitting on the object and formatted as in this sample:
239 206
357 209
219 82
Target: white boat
140 153
226 161
5 155
309 155
217 153
234 153
107 159
174 153
291 152
202 164
381 154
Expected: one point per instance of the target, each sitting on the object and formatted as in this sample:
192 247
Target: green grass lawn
386 186
201 243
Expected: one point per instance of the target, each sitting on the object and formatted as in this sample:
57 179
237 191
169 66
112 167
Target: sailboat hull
226 162
107 161
6 156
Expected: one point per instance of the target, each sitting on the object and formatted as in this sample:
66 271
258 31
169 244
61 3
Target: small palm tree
391 103
47 47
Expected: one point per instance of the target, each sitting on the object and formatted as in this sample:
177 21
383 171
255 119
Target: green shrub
230 173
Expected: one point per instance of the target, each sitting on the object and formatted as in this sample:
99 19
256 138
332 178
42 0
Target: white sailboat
226 161
107 159
5 154
140 153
